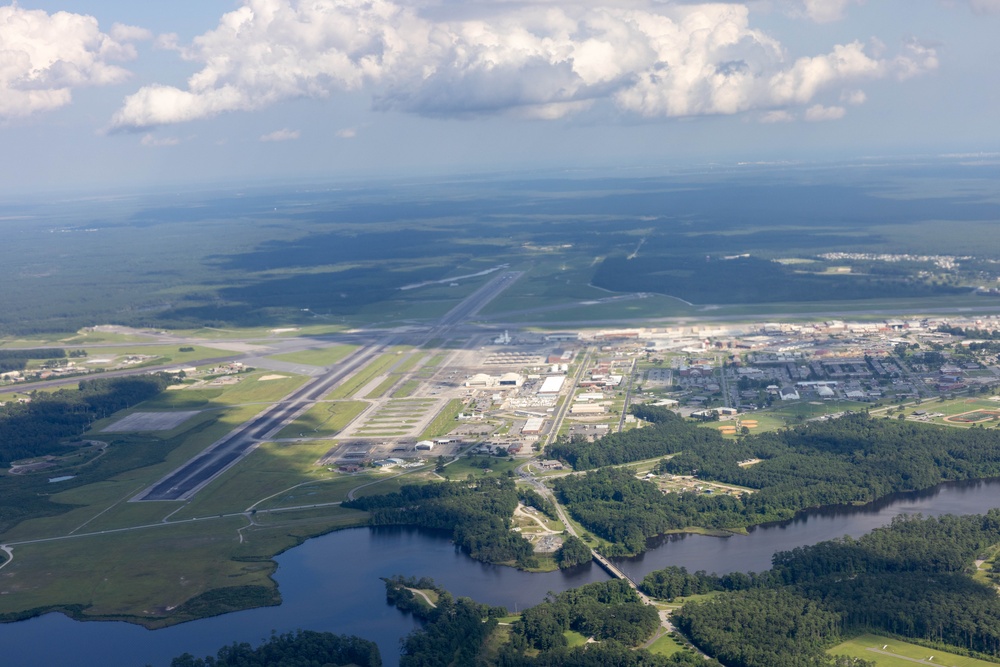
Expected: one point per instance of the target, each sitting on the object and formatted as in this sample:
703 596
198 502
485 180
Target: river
332 583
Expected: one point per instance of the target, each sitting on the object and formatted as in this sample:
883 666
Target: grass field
466 465
665 646
406 389
172 553
902 654
252 390
397 373
324 419
378 366
324 356
444 422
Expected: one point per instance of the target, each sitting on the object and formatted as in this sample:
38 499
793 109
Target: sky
108 94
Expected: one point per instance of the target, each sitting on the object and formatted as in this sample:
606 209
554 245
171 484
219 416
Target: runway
195 474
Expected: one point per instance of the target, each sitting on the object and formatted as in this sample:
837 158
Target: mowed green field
323 356
323 419
959 406
124 554
902 654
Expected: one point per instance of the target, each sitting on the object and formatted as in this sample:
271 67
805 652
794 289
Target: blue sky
108 94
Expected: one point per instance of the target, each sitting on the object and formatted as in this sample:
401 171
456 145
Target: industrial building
533 426
552 384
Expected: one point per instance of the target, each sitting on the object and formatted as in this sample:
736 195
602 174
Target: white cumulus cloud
281 135
150 141
818 112
43 57
824 11
777 116
537 60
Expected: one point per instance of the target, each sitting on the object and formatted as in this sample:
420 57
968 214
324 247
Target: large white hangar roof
552 385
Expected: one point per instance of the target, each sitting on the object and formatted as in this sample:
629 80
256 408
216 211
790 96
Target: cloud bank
43 57
543 60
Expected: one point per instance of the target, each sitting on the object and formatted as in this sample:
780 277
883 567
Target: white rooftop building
552 384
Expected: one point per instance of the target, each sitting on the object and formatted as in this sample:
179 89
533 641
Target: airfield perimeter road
184 482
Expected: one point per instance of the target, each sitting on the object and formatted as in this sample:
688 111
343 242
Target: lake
332 583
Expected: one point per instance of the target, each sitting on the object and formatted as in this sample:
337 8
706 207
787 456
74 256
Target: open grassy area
323 356
116 575
901 654
162 354
375 368
406 389
182 555
987 567
384 386
251 389
444 422
465 465
397 373
324 419
665 646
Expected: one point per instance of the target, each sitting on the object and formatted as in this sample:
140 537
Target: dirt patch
265 378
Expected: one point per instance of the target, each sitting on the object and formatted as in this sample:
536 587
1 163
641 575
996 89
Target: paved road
570 390
187 480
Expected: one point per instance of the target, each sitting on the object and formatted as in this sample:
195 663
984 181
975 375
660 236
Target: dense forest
854 459
17 359
478 514
303 648
455 630
911 579
463 632
670 433
37 427
573 552
754 280
604 611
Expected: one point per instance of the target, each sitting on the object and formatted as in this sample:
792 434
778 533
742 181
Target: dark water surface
332 583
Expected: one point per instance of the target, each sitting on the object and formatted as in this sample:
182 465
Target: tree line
911 578
753 280
477 514
303 648
39 426
854 459
17 360
463 632
670 433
